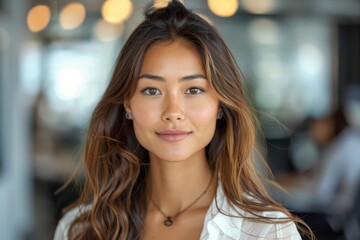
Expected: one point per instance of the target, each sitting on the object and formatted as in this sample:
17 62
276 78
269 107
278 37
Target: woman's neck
173 186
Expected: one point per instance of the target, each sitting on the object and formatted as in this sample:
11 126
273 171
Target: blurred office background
300 60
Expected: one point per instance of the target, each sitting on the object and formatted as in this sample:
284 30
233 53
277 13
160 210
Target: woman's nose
173 110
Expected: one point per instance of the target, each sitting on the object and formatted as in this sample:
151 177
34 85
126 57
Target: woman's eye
151 91
194 91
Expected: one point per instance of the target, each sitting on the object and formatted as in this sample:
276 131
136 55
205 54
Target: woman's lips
173 135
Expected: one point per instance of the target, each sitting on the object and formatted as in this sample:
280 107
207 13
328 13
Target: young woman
169 147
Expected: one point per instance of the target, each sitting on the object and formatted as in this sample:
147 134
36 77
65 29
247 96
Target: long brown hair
117 165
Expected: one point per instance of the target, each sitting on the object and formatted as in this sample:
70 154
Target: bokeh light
259 6
223 8
38 18
116 11
72 16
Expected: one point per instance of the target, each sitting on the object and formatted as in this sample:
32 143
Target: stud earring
128 115
220 115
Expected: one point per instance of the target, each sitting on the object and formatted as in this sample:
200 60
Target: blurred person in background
169 147
339 182
326 154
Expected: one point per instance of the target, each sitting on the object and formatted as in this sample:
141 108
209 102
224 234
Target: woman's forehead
175 57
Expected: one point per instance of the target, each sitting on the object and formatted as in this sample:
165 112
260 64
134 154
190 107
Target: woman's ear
127 106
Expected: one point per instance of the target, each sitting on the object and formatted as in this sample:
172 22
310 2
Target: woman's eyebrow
185 78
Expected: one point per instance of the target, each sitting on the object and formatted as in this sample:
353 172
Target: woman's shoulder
236 223
63 226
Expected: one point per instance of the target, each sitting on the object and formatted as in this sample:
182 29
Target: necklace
169 220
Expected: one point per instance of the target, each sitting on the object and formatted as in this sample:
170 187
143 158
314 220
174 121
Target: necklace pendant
168 222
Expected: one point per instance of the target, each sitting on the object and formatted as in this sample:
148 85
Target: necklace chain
169 220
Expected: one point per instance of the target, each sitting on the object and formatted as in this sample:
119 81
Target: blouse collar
222 222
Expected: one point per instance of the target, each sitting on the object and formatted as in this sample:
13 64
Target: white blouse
218 226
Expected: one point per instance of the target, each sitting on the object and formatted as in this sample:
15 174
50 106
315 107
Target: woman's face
174 110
